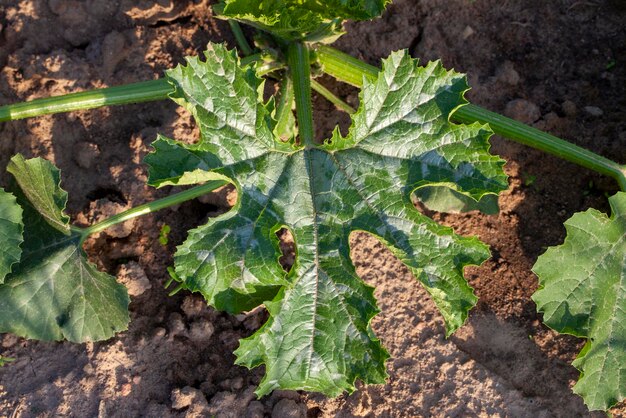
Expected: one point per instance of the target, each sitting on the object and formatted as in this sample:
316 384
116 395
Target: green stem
331 97
146 91
300 70
245 47
352 71
150 207
543 141
345 67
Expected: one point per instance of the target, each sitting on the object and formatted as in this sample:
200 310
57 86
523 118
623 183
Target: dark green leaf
582 291
318 336
54 292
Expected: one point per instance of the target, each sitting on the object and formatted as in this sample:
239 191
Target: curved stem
353 71
154 206
300 71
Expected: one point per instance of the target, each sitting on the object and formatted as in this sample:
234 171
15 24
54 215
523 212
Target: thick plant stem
353 71
150 207
300 72
146 91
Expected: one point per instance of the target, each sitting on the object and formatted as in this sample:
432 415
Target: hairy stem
146 91
150 207
331 97
543 141
353 71
300 72
345 67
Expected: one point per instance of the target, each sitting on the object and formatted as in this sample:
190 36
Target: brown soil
541 62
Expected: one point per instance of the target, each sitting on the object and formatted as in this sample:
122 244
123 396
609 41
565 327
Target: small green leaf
54 292
582 292
318 336
5 360
293 19
41 183
11 230
164 234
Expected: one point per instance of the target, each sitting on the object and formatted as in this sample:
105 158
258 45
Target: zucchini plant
413 136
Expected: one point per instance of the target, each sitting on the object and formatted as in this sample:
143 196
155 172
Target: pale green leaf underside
295 18
54 293
445 199
318 336
582 291
11 229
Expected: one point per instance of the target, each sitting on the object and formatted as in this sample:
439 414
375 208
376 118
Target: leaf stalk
542 141
145 91
154 206
300 72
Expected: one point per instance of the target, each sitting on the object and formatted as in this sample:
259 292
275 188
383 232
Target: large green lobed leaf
53 292
582 292
11 230
318 336
294 19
